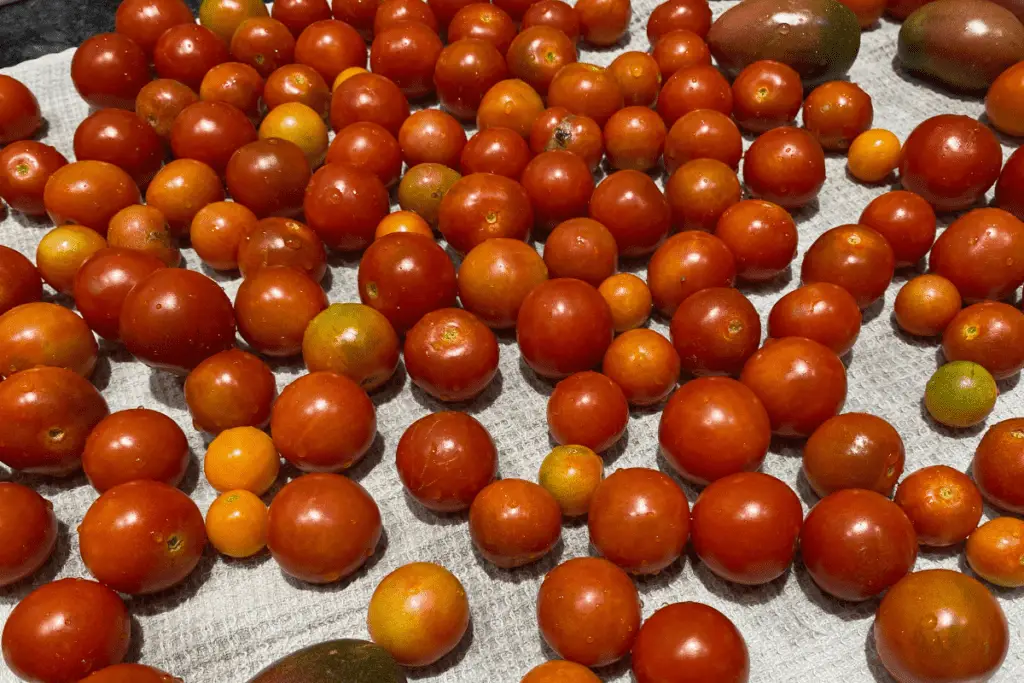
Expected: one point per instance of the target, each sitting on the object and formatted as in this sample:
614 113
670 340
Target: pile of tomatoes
244 105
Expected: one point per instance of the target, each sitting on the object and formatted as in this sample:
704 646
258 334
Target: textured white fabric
234 617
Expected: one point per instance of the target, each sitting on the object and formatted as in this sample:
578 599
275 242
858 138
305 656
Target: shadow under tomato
481 402
392 388
428 516
531 572
218 276
646 583
31 222
190 481
342 584
913 340
736 592
1004 139
875 666
921 81
872 311
137 642
888 183
370 459
805 490
690 489
806 212
9 595
773 286
614 671
964 433
167 389
167 600
845 610
247 563
447 662
539 384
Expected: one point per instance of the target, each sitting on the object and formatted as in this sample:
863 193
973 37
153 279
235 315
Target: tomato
785 166
989 333
939 625
236 524
230 389
263 43
142 537
211 132
19 280
632 207
558 129
368 147
423 187
691 15
713 427
330 47
65 630
766 94
745 527
405 276
982 253
282 242
905 220
800 382
242 459
603 22
761 236
703 134
559 670
135 444
512 104
451 355
942 503
298 14
239 85
823 312
847 526
298 83
62 251
465 70
556 14
322 527
581 248
390 13
873 155
407 54
588 611
868 11
160 101
854 451
44 334
445 10
837 112
224 16
19 111
445 459
571 474
564 326
217 232
274 305
634 138
496 150
369 97
559 187
926 305
960 394
496 276
483 206
699 192
995 549
323 422
999 465
25 167
686 263
514 522
181 189
356 13
1009 195
418 613
638 77
1003 102
586 90
354 340
855 257
680 49
103 282
28 532
343 206
537 54
639 519
715 331
403 221
693 638
587 409
144 229
108 70
431 136
88 193
694 87
186 52
488 22
130 673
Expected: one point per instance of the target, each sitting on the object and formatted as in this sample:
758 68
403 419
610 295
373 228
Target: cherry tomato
537 54
496 276
28 530
699 192
181 189
586 90
186 52
556 14
843 529
282 242
855 257
418 613
330 47
19 111
224 16
989 333
581 248
263 43
445 10
639 519
236 524
103 282
160 101
465 70
142 537
559 670
242 459
369 97
431 136
44 334
926 305
135 444
960 394
629 300
230 389
322 527
88 193
867 11
873 155
274 306
761 236
638 77
368 147
686 263
211 132
982 253
680 49
130 673
423 187
403 221
692 15
485 21
632 207
559 187
634 138
108 70
837 112
603 22
390 13
715 331
451 355
588 611
905 220
298 14
766 94
65 630
144 229
298 83
217 232
343 206
558 129
445 459
19 280
999 464
514 522
353 340
496 150
822 312
239 85
703 134
407 54
512 104
690 637
25 167
694 87
995 549
587 409
571 474
942 503
785 166
62 251
854 451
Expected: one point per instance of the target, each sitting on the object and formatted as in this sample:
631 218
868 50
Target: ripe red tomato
160 101
298 83
22 283
28 532
990 334
837 112
181 189
843 529
785 166
130 673
854 451
680 49
1009 193
603 22
393 12
230 389
65 630
690 637
587 409
144 21
644 364
211 132
700 192
638 77
89 193
369 97
135 444
559 186
44 334
142 537
556 14
495 278
483 206
686 263
488 22
343 206
368 147
103 282
537 54
264 44
926 305
634 138
942 503
431 136
445 10
632 207
19 111
564 326
982 253
998 467
994 550
583 249
186 52
691 15
586 90
639 519
855 257
703 134
588 611
269 177
761 236
274 306
905 220
496 150
25 166
512 104
109 70
407 54
123 139
767 94
282 242
823 312
715 331
514 522
701 86
322 527
465 70
451 355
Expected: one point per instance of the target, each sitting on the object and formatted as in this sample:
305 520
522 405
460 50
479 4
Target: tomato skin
142 537
821 311
581 248
688 642
65 630
854 451
940 625
629 299
990 334
700 86
187 51
89 193
942 503
514 522
713 427
103 282
392 12
25 166
483 206
181 189
700 192
121 138
926 305
558 129
587 409
144 21
639 78
160 101
28 532
130 673
588 611
369 97
20 117
451 355
559 670
465 70
353 340
905 220
274 306
982 253
837 112
135 444
22 284
322 527
745 527
994 552
785 166
691 15
269 177
44 334
998 467
766 95
715 331
636 212
109 70
558 186
644 364
496 276
686 263
407 54
370 147
855 257
343 206
761 236
847 526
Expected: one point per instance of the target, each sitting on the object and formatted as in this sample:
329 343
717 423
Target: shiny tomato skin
639 78
691 643
323 527
785 166
45 334
28 532
268 177
686 263
274 306
588 611
855 257
537 53
854 451
465 70
144 21
703 134
431 136
495 278
644 364
496 150
25 166
822 311
603 22
694 87
715 331
279 241
343 206
130 673
354 340
392 12
484 21
514 522
483 206
940 625
583 249
263 43
587 409
559 670
211 132
713 427
761 236
632 207
89 193
559 187
142 537
989 333
230 389
160 101
680 49
186 52
451 355
942 503
370 147
556 14
586 90
994 550
837 112
135 444
181 189
109 70
21 281
20 117
847 526
1008 194
564 326
369 97
700 192
926 305
298 83
692 15
998 467
905 220
558 129
298 14
407 54
982 253
766 94
65 630
121 138
103 282
634 138
639 519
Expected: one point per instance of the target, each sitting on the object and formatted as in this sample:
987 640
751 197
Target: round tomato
181 189
703 134
451 355
229 389
700 192
990 334
926 305
761 236
942 503
496 276
274 306
982 253
109 70
242 459
785 166
514 522
236 524
636 212
690 637
687 263
269 177
995 549
558 186
644 364
998 467
483 206
496 150
572 474
564 326
837 112
186 52
634 138
587 409
854 451
581 248
135 444
354 340
715 331
25 167
823 312
343 206
41 333
282 242
766 94
28 532
123 139
89 193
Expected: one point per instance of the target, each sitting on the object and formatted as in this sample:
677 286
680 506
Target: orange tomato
346 74
242 458
571 475
1004 103
995 551
403 221
873 155
629 299
298 123
236 524
62 251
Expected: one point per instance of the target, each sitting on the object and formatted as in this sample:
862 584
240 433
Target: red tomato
514 522
761 236
483 206
44 334
369 97
686 263
392 12
89 193
715 331
856 258
703 134
990 334
785 166
368 147
632 207
465 70
691 15
701 86
496 276
564 326
19 111
998 467
823 312
586 90
451 354
431 136
135 444
854 451
407 54
699 192
186 52
343 206
264 44
905 220
767 94
28 532
109 70
130 673
942 503
25 167
558 186
692 638
144 21
123 139
982 253
587 409
558 129
230 389
644 364
22 284
994 550
496 150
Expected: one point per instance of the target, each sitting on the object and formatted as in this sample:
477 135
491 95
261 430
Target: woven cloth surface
231 618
